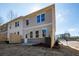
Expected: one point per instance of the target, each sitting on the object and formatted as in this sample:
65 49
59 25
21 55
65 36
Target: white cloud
35 8
71 29
74 31
61 15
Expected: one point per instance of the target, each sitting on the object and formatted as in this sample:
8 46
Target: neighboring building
35 26
67 35
64 35
3 32
3 28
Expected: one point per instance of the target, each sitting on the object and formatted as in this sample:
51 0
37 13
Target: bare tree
11 15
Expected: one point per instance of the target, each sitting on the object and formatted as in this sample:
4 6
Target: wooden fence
3 37
14 38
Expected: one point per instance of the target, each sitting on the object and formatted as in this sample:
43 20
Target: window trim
36 34
27 22
31 34
37 20
26 36
46 32
18 33
17 24
40 18
10 26
44 16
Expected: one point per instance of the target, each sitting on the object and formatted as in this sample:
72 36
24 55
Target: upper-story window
27 22
26 36
40 18
16 24
10 26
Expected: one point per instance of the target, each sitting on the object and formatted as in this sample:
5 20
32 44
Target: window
26 36
42 17
10 26
18 33
38 19
16 24
27 22
37 34
31 34
44 32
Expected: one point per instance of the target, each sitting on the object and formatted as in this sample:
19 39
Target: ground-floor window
37 34
18 33
26 36
31 34
44 32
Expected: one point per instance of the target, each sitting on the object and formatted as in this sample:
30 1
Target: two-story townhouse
40 24
35 27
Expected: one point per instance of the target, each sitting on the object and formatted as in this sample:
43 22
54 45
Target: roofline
12 20
28 14
39 10
15 19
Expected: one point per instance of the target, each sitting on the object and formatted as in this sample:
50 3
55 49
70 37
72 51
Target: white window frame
40 18
45 17
46 31
28 20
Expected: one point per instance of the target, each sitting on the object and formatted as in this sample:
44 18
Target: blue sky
67 15
20 9
67 18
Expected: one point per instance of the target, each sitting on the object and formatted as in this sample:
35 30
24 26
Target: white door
25 40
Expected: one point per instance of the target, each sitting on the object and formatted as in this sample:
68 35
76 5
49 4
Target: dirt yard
21 50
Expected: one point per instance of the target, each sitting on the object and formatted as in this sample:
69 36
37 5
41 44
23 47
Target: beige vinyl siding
37 29
15 29
34 26
33 20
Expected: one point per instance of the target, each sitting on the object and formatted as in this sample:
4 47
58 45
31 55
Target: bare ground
72 44
21 50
